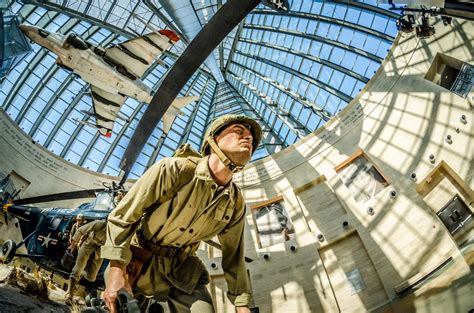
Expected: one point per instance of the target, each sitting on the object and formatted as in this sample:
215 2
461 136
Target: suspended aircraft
45 231
114 73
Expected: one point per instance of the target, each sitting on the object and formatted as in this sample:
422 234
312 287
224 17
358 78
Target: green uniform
200 210
88 257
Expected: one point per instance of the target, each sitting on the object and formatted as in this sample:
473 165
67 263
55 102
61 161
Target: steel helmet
220 123
80 216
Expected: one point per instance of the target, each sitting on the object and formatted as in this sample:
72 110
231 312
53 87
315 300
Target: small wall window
272 222
361 177
452 74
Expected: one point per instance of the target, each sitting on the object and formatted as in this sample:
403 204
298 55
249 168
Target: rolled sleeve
120 254
240 300
123 220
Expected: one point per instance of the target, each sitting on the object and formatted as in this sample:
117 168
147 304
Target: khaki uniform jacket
95 232
199 211
73 231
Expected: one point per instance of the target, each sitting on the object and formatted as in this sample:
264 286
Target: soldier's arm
122 221
81 231
233 262
98 225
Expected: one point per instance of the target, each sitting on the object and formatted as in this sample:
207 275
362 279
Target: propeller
70 195
79 194
220 25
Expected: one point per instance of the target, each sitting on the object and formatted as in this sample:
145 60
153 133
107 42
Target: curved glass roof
293 72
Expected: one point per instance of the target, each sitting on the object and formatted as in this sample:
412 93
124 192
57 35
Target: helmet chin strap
224 159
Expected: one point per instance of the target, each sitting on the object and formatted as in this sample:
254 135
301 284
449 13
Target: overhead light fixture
408 22
446 20
424 30
405 23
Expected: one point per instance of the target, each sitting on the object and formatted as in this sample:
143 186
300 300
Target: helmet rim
218 125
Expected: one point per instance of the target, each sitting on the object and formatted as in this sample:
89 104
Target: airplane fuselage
89 66
113 73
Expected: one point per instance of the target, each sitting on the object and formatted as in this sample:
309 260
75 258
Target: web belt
165 251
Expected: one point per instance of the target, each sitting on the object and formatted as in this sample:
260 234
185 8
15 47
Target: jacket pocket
223 214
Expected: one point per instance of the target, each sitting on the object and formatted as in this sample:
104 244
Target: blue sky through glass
291 72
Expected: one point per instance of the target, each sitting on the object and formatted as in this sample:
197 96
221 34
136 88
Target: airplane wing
106 107
181 102
138 54
170 115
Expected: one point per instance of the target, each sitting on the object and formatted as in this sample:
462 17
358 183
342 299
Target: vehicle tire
8 251
155 307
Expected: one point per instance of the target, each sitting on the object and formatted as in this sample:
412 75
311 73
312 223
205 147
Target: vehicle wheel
8 251
155 307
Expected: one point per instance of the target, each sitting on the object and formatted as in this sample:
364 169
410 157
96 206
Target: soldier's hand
72 246
116 280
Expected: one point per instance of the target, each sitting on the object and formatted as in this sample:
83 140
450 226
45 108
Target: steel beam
319 39
331 20
308 78
72 13
310 57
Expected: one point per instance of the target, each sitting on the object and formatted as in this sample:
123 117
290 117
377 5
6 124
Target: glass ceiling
292 72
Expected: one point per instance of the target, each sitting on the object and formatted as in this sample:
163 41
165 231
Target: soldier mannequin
79 222
88 261
210 204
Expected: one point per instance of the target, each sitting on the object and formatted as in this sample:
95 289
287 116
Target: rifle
125 302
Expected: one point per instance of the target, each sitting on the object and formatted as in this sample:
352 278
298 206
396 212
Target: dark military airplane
46 230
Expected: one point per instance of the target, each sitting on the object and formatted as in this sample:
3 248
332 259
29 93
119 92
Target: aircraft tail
103 131
174 110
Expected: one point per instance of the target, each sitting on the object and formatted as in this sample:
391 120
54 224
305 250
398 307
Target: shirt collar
203 172
202 169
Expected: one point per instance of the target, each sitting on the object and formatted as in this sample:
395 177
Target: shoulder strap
185 176
240 200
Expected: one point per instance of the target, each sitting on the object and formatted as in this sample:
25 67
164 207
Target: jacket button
182 229
191 231
213 186
227 217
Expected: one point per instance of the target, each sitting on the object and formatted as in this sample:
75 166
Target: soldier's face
236 142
